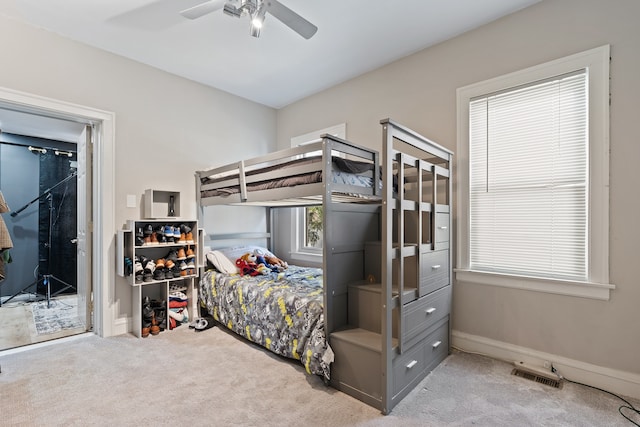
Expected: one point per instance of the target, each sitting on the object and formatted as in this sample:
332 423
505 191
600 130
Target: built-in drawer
442 232
436 346
435 271
415 363
420 315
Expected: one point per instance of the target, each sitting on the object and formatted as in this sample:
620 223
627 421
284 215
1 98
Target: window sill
590 290
307 256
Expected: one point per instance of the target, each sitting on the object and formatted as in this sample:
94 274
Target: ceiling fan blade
291 19
203 9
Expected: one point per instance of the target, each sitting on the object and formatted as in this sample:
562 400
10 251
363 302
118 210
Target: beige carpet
213 378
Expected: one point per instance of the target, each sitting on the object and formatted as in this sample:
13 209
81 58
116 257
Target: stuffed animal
272 262
276 262
248 265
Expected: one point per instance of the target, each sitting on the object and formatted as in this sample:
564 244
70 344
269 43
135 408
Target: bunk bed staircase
397 327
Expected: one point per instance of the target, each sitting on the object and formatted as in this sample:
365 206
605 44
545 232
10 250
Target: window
533 178
307 230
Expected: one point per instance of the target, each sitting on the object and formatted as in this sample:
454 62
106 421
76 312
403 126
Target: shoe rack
155 263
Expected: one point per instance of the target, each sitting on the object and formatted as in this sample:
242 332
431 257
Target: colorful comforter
282 312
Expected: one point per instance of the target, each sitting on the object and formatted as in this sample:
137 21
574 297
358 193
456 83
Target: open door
85 227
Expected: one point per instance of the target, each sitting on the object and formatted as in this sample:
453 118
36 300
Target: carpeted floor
213 378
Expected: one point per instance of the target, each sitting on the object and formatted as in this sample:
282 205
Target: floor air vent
553 382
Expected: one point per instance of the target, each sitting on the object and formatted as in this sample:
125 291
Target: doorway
91 133
39 292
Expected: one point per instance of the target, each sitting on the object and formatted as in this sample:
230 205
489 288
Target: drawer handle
436 344
435 267
443 227
412 364
431 310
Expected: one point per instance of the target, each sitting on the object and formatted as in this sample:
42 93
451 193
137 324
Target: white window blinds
529 179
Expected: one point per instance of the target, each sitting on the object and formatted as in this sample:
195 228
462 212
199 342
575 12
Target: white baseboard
619 382
121 326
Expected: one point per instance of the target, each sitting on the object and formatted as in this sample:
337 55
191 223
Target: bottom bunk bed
280 309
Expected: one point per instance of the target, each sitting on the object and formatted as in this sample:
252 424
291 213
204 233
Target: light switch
131 200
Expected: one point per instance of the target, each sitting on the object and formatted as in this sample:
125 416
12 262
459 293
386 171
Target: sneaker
139 237
172 255
176 233
154 238
159 274
137 267
189 238
160 263
181 254
168 273
148 229
190 264
159 233
183 265
147 277
168 232
190 254
182 238
150 267
169 264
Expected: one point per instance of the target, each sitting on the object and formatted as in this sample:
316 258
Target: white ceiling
279 67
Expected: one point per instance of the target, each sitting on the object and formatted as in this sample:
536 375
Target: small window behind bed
306 239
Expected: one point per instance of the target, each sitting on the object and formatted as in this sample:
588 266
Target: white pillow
221 262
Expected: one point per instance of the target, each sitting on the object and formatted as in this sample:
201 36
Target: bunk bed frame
386 258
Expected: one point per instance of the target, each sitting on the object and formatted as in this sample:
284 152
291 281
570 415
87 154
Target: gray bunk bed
386 271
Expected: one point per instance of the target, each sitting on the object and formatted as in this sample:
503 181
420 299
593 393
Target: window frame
597 286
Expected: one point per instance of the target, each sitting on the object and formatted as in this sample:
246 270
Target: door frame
103 190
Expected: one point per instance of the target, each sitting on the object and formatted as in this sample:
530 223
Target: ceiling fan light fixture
257 20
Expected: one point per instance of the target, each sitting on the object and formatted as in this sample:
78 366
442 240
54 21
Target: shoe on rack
150 266
191 264
168 232
177 272
160 263
160 311
155 329
169 264
160 236
154 238
176 233
148 229
183 265
139 237
190 253
181 254
159 274
147 316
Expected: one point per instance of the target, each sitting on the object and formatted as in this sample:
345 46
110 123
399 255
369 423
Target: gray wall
420 92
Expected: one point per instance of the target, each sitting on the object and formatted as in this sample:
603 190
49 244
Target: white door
85 227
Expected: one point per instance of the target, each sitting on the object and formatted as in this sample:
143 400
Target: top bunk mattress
344 171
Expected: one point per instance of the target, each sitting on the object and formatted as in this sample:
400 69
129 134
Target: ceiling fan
257 10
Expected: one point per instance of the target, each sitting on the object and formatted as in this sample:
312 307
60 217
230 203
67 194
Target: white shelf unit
160 204
126 247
